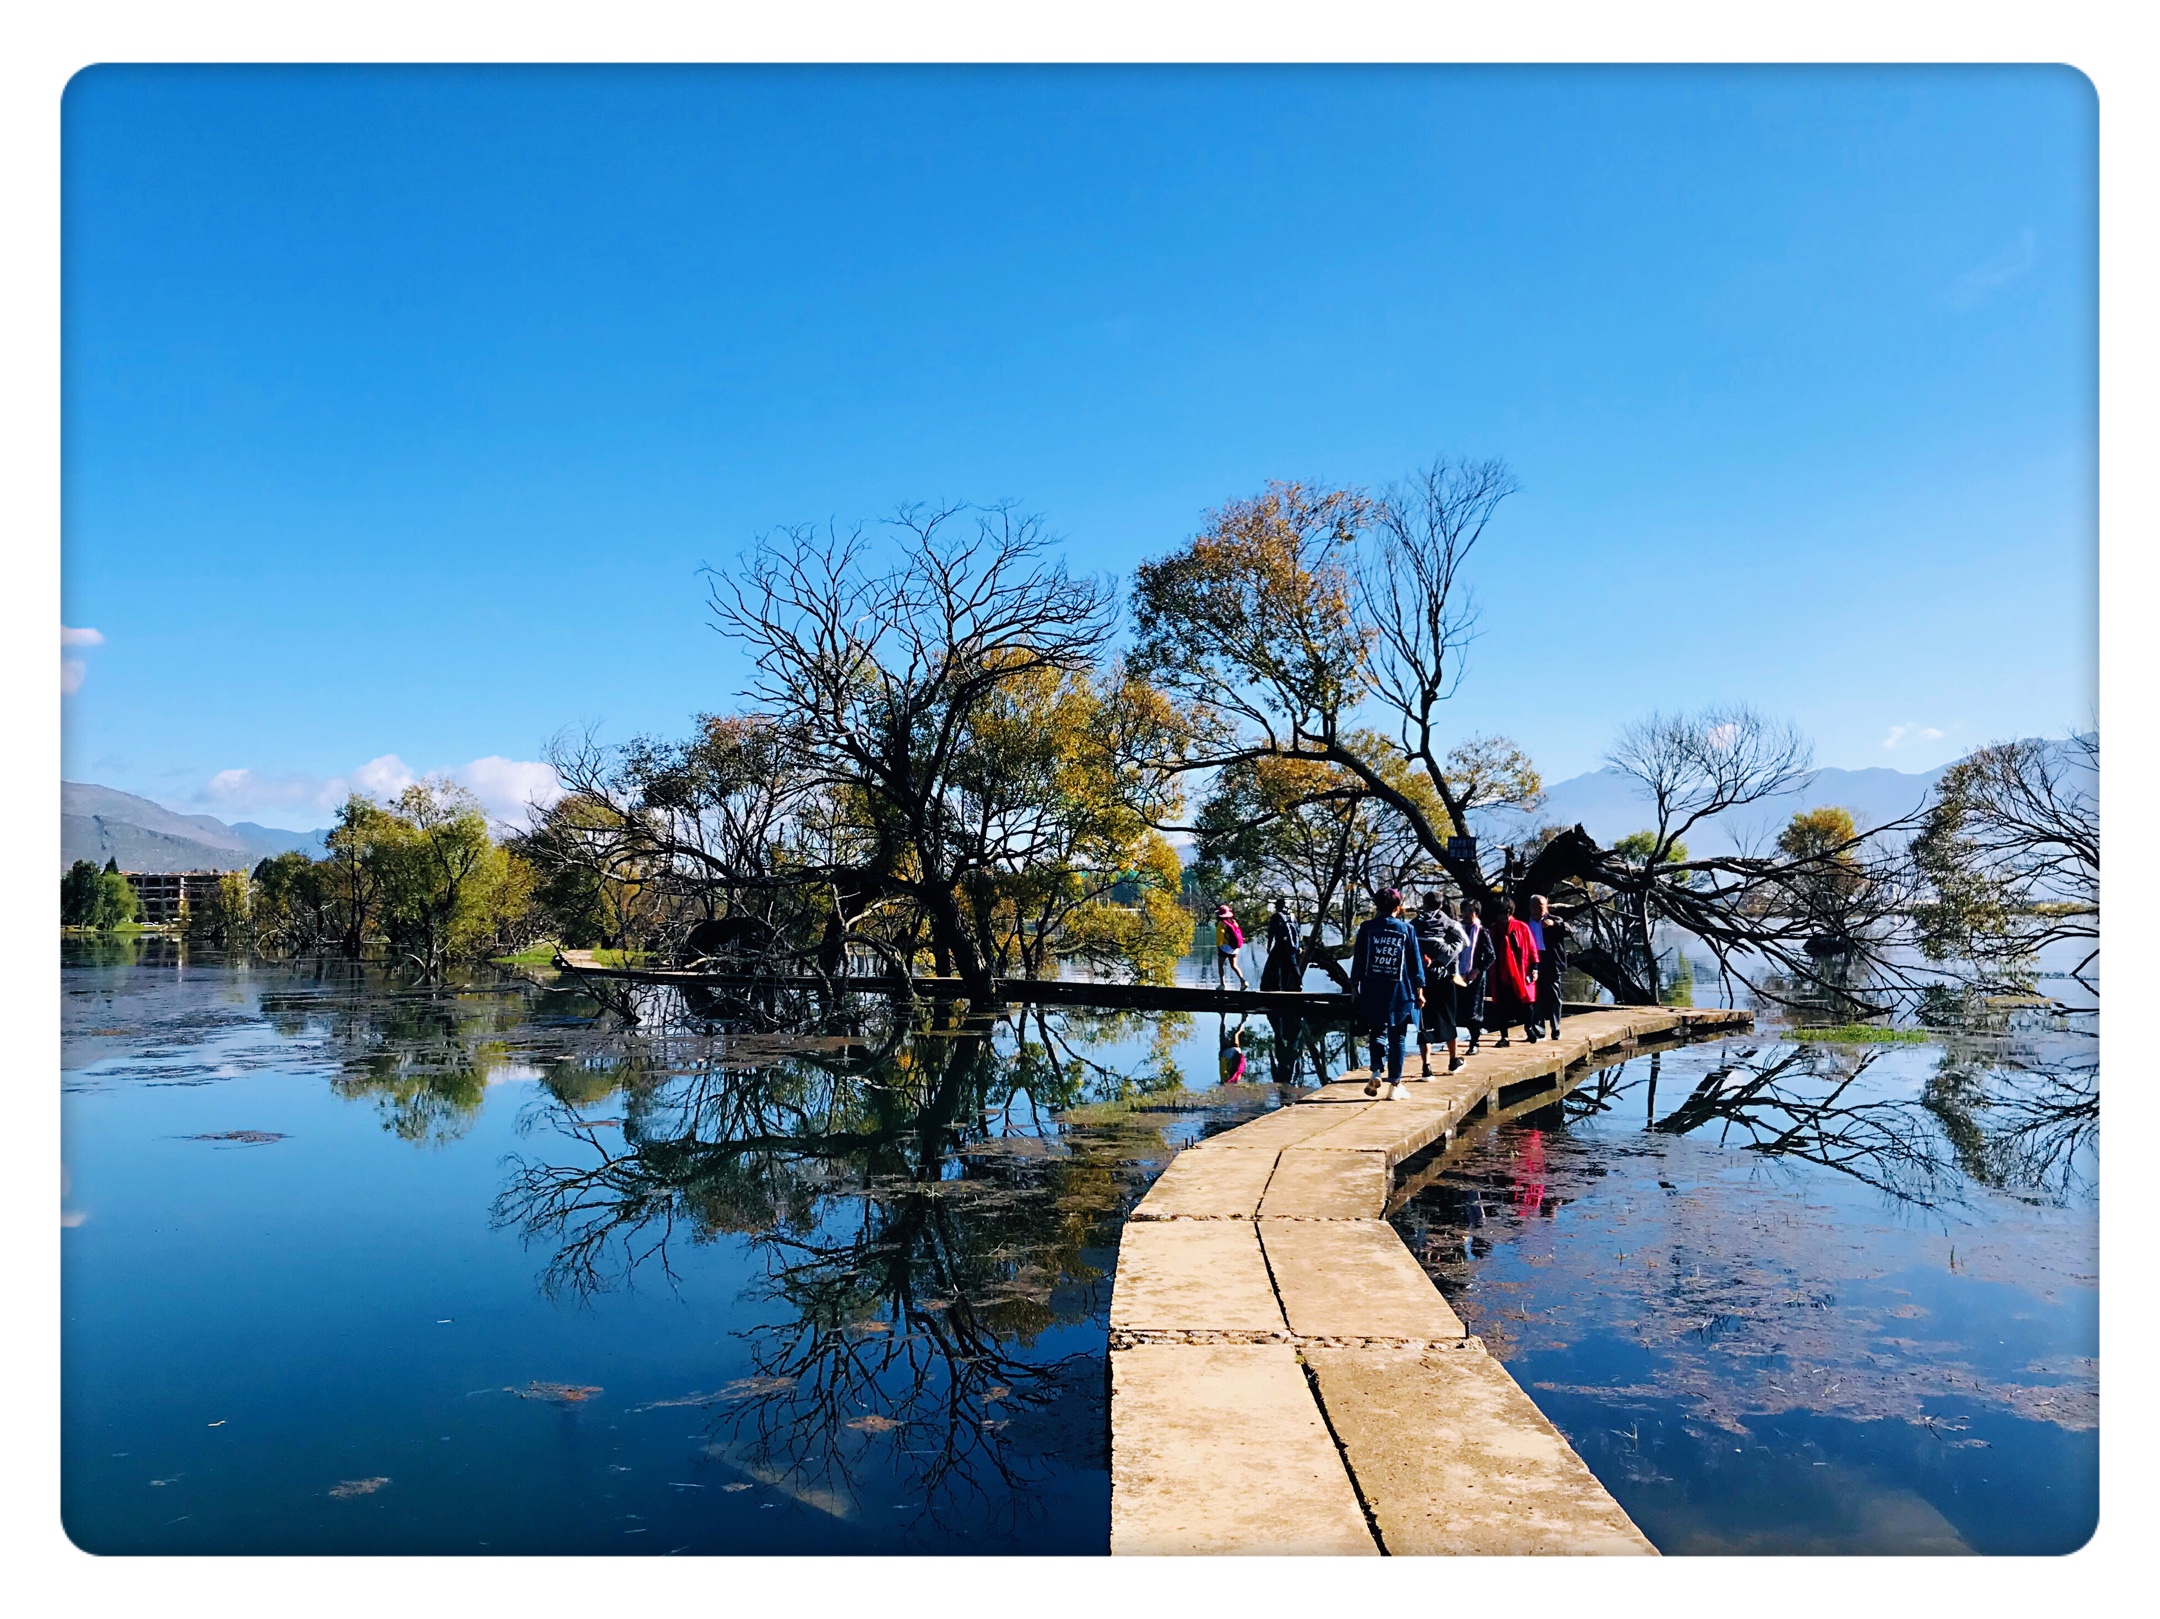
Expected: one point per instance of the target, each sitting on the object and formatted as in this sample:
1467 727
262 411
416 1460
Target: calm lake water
1788 1298
353 1265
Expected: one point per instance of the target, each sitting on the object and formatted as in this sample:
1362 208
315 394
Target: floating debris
246 1138
874 1423
560 1393
685 1399
351 1487
744 1388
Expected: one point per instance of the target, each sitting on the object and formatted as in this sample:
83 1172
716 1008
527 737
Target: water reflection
1731 1273
2007 1119
922 1227
868 1259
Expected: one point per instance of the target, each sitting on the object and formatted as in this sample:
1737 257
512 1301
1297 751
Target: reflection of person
1387 986
1282 969
1514 997
1229 940
1440 943
1231 1059
1474 965
1526 1169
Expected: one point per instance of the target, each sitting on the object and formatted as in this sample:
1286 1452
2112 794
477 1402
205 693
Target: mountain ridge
103 823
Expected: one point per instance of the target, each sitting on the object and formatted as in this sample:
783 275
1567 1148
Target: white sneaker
1396 1093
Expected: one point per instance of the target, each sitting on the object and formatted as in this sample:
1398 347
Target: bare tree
2010 851
1702 765
880 672
1813 918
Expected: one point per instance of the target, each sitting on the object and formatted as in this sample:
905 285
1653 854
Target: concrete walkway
1284 1376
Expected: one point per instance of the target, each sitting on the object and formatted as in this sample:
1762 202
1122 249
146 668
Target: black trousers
1470 1004
1438 1017
1548 996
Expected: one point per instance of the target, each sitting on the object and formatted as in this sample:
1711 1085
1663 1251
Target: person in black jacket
1551 935
1474 964
1282 969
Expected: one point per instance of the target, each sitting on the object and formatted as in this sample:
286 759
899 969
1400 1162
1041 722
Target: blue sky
402 406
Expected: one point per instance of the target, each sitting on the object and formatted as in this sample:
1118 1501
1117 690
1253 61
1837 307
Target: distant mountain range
1610 805
102 823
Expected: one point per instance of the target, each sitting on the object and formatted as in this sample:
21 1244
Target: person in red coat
1514 997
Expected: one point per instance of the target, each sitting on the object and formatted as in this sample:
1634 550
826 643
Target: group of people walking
1441 972
1445 973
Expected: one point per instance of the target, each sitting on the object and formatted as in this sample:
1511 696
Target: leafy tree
1308 832
223 915
78 894
1295 610
293 902
1638 847
115 904
440 878
356 869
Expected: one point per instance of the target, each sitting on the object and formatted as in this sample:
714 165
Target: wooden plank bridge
1309 1004
1316 1004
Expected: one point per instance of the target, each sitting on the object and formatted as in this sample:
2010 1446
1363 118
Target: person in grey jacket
1441 941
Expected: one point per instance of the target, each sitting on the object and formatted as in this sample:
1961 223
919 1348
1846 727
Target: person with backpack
1229 940
1387 987
1475 966
1440 944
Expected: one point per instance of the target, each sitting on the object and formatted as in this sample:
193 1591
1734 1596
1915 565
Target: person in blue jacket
1387 986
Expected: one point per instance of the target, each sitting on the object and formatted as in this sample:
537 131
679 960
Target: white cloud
507 788
1977 285
1901 735
73 670
382 777
504 787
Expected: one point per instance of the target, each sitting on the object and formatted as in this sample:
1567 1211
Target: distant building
168 896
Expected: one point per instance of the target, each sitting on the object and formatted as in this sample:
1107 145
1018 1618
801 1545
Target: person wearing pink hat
1229 940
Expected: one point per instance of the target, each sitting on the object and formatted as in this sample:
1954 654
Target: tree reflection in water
423 1053
1710 1264
926 1230
2008 1119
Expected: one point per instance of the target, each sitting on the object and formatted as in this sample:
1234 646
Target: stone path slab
1353 1279
1209 1186
1454 1459
1314 1185
1193 1276
1285 1127
1220 1445
1218 1448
